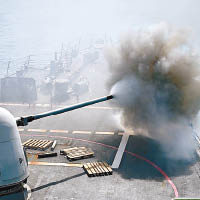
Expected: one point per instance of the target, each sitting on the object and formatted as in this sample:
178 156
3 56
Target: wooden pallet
97 169
37 144
77 153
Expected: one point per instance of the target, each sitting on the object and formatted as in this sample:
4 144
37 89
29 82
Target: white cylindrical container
13 166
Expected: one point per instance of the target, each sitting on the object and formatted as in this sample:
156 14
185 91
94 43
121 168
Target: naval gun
23 121
13 163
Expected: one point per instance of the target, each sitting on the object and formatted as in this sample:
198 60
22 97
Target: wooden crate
97 169
77 153
37 144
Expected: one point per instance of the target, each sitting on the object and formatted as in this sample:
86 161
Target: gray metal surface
136 178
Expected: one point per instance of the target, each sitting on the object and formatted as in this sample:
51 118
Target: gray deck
135 179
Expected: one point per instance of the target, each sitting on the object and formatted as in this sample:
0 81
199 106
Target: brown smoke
154 77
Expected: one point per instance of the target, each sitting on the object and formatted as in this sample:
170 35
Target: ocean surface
38 28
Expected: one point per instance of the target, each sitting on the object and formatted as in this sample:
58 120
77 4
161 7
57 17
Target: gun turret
23 121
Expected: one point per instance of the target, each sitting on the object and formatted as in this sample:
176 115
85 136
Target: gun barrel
73 107
24 120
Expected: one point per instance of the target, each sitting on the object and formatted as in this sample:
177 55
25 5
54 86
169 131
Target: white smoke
154 77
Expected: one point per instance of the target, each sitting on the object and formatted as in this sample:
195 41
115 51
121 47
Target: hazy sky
39 26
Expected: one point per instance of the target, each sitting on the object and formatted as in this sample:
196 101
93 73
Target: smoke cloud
154 77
